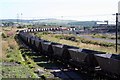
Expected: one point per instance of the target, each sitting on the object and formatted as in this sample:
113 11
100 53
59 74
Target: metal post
116 30
21 19
17 18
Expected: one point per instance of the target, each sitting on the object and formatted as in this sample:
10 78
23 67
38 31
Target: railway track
62 71
89 62
59 69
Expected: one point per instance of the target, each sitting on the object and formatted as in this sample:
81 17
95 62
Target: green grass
101 43
16 72
105 36
82 43
34 65
12 54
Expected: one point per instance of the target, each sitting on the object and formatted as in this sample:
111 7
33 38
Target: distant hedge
106 44
79 39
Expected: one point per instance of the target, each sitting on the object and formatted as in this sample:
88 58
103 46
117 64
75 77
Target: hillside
83 23
52 22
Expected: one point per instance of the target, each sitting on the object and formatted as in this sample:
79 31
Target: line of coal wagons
107 64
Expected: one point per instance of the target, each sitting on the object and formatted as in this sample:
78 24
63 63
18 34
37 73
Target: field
81 42
105 36
17 61
12 62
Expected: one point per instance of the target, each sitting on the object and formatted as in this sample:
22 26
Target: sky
61 9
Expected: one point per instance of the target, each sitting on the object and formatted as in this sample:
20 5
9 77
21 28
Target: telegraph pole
116 28
116 31
17 18
21 19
